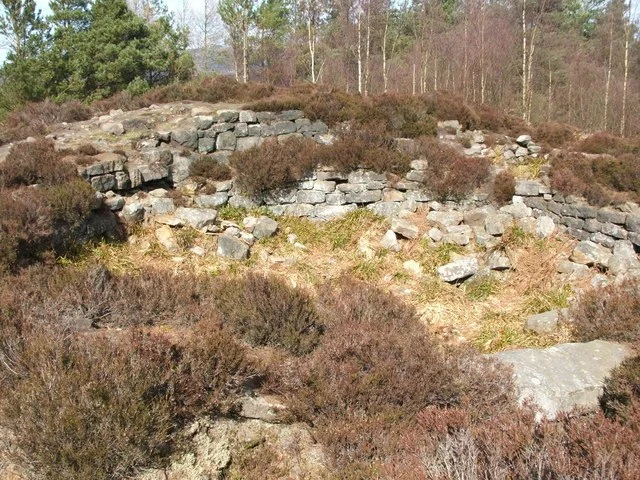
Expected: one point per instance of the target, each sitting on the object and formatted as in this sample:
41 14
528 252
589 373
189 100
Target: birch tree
238 17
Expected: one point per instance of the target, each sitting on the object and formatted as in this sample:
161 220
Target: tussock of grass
539 301
531 169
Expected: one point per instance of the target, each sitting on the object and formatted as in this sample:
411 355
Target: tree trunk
627 32
607 86
524 60
359 51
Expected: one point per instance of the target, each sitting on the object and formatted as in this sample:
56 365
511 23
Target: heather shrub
36 119
622 390
208 169
273 165
35 162
266 311
555 134
372 149
600 179
450 174
611 313
606 143
102 405
72 202
504 187
451 106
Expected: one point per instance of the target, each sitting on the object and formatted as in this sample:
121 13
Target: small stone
413 267
497 224
199 251
390 241
447 219
405 228
167 239
232 247
498 261
197 218
435 234
114 128
624 258
265 227
545 227
133 212
543 323
517 210
590 253
523 140
459 269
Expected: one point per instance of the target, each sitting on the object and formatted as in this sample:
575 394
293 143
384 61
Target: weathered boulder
459 269
497 260
232 247
545 227
390 241
405 228
590 253
624 258
542 323
265 227
167 238
458 235
523 140
197 218
447 219
215 200
564 376
133 212
187 137
114 128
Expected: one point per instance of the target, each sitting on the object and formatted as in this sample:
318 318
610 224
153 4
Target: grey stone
254 130
624 258
386 209
529 224
517 210
474 150
585 211
310 196
232 247
179 169
602 239
248 116
447 219
325 186
206 145
114 202
262 408
133 212
419 165
281 196
265 117
288 136
108 162
198 218
458 235
405 228
153 172
614 231
390 241
245 143
187 138
590 253
300 210
241 130
228 115
223 185
204 122
564 376
575 223
459 269
392 195
365 176
240 201
573 269
527 188
163 156
336 198
578 234
114 128
416 176
406 185
523 140
592 225
226 141
543 323
521 152
368 196
498 261
376 185
265 227
477 216
634 238
633 223
215 200
103 183
167 238
278 128
435 234
328 212
161 206
290 115
607 215
545 227
534 148
497 224
535 202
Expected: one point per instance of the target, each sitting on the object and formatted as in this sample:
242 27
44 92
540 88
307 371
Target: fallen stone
328 212
435 234
114 128
624 258
545 227
133 212
447 219
517 210
216 200
265 227
528 188
459 269
523 140
590 253
458 235
568 267
263 408
498 261
497 224
543 323
564 376
405 228
232 247
390 241
167 238
197 218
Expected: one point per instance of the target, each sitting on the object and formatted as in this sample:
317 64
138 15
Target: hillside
301 285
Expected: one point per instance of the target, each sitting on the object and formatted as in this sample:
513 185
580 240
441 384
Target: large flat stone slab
564 376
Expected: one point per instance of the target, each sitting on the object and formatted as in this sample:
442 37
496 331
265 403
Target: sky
171 4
